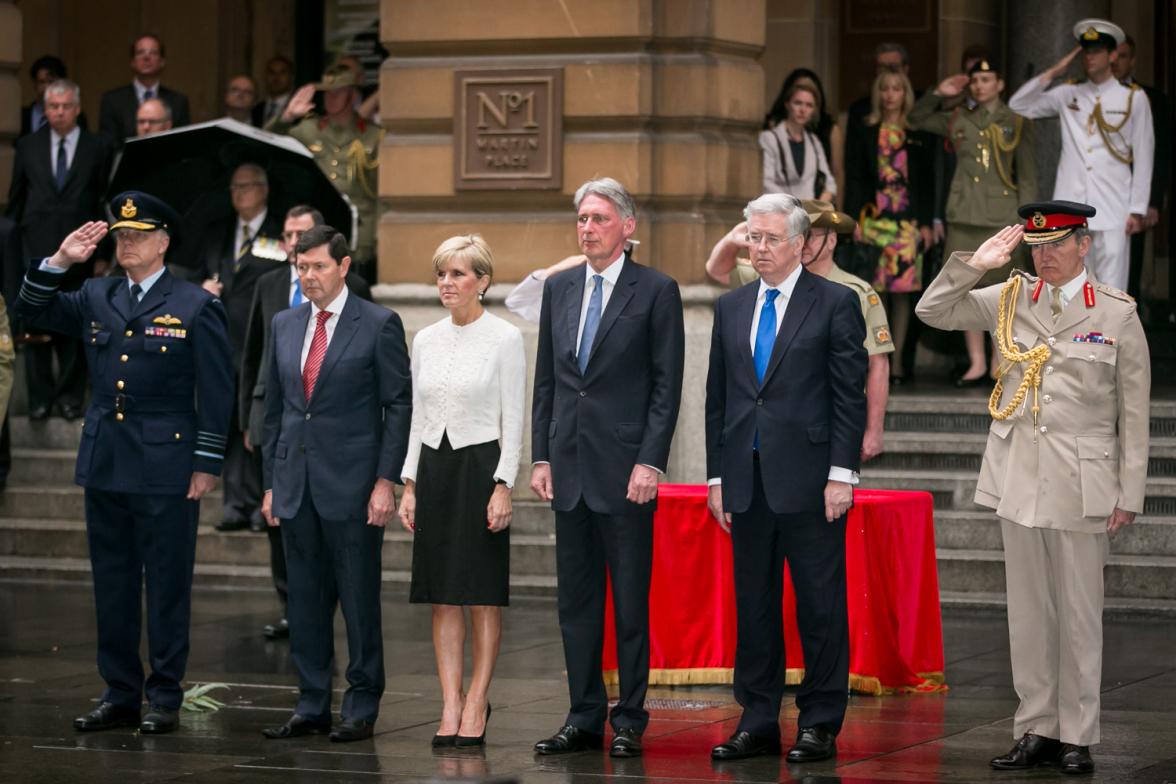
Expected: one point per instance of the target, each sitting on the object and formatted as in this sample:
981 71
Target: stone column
666 97
1038 36
10 103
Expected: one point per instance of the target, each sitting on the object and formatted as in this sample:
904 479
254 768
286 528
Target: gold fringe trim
931 682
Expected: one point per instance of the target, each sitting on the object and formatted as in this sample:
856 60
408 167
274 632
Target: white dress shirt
254 225
609 282
1069 290
293 284
470 383
785 287
335 307
1087 172
71 146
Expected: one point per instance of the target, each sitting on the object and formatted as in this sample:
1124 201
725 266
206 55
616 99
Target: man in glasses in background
274 292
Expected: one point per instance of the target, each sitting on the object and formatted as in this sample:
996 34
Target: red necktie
314 359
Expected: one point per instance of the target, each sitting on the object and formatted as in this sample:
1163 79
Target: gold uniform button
334 176
975 179
119 417
1004 193
123 358
1052 341
163 349
121 384
1106 453
1047 398
129 334
334 162
93 340
1044 429
177 436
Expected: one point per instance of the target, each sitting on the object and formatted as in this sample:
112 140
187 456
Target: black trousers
69 386
762 541
329 563
241 476
585 543
133 536
278 565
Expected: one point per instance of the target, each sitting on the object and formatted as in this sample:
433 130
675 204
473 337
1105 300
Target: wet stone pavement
47 677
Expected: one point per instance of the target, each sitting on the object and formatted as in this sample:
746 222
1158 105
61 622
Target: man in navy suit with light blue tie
608 382
785 415
338 405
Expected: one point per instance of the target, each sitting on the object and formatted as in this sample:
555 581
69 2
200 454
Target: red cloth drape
896 638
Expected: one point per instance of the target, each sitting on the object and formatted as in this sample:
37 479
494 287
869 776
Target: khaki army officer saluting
1065 464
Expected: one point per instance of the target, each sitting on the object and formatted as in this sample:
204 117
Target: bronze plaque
509 129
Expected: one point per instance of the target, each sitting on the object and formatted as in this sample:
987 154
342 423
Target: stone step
530 554
954 489
1126 576
222 575
968 413
963 451
51 433
970 530
1113 606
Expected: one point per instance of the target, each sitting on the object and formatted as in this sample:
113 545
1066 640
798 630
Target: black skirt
455 557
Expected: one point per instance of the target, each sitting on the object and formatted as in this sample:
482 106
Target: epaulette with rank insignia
1114 293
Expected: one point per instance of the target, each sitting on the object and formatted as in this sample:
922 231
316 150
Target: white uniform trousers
1109 259
1055 598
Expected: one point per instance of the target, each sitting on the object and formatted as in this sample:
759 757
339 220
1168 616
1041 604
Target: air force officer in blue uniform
152 445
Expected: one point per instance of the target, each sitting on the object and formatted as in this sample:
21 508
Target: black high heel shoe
443 741
468 741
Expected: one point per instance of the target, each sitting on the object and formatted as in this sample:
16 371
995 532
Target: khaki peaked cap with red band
1053 221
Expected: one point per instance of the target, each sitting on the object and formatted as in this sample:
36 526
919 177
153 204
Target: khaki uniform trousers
1054 580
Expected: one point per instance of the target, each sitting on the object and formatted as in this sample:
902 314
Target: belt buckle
120 402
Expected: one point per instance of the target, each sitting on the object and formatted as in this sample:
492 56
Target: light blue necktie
591 322
765 335
296 298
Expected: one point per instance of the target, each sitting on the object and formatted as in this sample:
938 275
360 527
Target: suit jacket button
759 401
583 393
307 416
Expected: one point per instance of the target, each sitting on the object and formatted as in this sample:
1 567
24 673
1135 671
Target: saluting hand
998 249
952 86
300 104
79 244
1060 66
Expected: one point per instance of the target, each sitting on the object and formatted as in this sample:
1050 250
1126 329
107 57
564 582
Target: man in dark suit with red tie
275 291
58 179
785 415
338 405
116 116
608 383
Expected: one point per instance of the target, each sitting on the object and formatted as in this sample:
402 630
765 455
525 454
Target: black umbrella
189 168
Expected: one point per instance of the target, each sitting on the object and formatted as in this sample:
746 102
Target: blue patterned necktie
591 322
296 298
62 164
765 335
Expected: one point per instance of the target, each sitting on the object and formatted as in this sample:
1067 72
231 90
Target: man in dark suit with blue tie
785 415
338 405
152 445
608 382
116 114
59 175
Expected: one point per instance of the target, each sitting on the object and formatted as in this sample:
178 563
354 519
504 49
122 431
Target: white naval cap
1098 32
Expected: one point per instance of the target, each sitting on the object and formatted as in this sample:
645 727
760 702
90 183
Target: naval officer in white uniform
1107 145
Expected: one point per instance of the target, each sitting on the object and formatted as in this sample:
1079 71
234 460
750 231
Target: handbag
864 255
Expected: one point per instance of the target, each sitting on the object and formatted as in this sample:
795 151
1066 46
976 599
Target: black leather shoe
469 741
569 739
1029 752
1075 759
107 716
297 726
626 743
159 720
232 525
70 412
813 744
970 383
350 730
444 741
742 745
39 413
276 631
